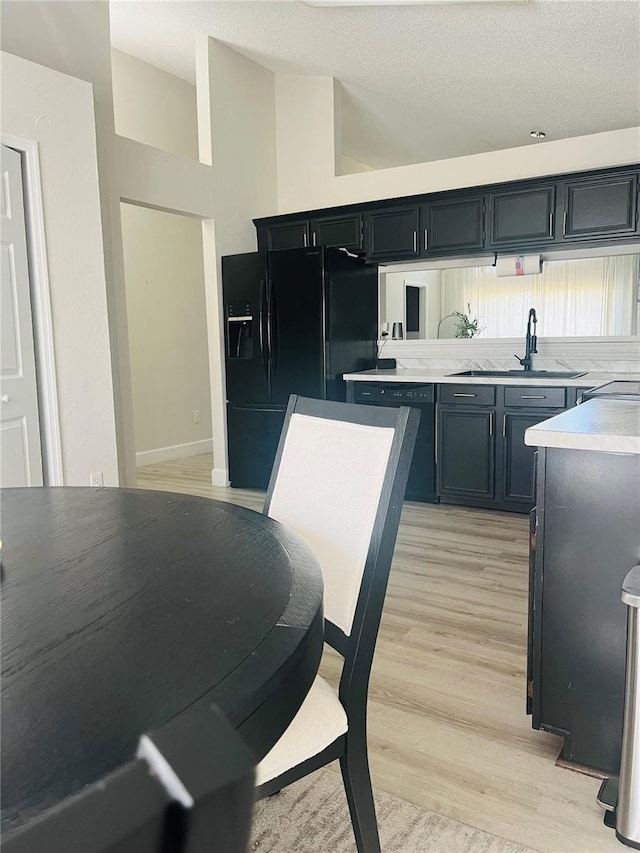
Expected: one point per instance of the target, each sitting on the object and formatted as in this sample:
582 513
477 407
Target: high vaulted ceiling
423 82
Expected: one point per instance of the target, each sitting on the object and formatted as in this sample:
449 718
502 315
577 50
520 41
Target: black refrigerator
294 322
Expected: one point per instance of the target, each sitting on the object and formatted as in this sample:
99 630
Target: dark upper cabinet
341 231
522 216
594 208
465 452
292 235
506 217
392 233
453 226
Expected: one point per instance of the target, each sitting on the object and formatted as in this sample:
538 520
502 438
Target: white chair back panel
327 490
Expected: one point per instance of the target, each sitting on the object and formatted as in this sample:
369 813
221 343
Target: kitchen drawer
535 397
468 395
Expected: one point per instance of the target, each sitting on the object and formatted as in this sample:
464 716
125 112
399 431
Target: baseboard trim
220 477
174 451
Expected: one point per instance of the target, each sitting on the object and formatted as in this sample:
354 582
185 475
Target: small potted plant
467 328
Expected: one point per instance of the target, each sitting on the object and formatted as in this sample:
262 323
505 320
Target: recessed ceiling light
538 134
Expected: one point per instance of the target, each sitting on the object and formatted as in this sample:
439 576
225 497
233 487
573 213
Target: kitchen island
585 537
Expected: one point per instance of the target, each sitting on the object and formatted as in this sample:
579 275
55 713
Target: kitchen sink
523 374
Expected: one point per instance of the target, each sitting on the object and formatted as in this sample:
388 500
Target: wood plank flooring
447 723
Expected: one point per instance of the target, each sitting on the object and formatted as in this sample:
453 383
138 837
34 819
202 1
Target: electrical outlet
96 479
196 416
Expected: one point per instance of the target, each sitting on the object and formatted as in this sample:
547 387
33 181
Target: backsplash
620 355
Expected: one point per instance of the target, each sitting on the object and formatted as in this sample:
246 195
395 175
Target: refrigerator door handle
261 319
274 334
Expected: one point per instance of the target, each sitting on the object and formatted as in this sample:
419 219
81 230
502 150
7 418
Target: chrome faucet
531 342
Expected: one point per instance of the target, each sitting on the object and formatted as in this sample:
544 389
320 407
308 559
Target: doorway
168 340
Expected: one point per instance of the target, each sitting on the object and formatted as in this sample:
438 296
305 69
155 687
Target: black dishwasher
422 476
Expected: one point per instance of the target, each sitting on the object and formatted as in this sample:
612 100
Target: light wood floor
447 723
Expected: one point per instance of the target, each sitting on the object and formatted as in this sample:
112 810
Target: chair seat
320 721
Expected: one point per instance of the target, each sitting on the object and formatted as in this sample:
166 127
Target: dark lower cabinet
586 540
518 458
523 216
482 458
465 452
597 208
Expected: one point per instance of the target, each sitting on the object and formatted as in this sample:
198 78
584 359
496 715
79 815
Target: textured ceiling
423 82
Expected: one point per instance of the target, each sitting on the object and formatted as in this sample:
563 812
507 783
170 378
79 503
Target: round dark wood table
121 608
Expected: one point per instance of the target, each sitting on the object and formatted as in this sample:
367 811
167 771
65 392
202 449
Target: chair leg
354 765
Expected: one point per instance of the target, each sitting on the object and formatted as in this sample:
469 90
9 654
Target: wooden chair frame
357 649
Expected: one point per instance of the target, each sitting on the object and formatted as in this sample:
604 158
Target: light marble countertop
607 425
444 376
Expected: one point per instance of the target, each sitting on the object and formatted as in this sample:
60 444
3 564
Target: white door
20 451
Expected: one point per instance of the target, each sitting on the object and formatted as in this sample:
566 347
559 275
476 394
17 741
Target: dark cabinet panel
392 233
341 231
517 457
292 235
600 207
452 226
522 216
253 435
467 394
465 457
586 543
508 216
535 397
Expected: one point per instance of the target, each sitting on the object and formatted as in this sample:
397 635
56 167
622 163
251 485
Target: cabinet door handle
490 423
314 238
504 425
533 397
426 239
551 224
415 241
564 224
435 438
464 395
304 239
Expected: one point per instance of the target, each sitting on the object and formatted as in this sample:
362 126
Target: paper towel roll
518 265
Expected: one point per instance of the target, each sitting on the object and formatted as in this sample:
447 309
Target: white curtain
585 297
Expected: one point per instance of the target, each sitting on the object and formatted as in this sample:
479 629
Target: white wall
164 274
308 130
433 302
236 124
349 166
74 38
154 107
167 333
394 298
57 111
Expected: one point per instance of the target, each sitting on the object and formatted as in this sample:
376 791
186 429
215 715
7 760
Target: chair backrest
338 481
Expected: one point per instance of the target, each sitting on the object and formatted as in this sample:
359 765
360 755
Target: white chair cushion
327 491
320 720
